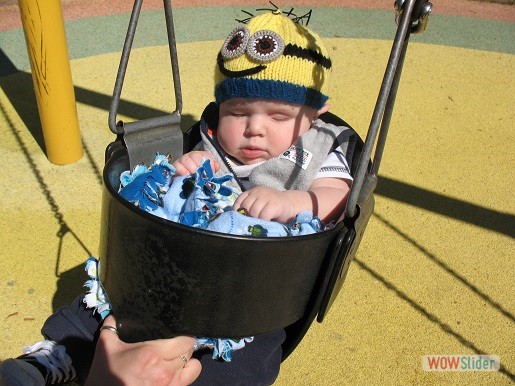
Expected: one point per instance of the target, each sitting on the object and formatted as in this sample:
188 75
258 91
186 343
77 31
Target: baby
271 80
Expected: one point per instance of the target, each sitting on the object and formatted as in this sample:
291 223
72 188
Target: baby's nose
255 126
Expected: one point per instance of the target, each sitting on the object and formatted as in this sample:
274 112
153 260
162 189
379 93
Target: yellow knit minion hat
273 57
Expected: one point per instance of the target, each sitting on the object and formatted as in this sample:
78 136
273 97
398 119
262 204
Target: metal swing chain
411 17
143 138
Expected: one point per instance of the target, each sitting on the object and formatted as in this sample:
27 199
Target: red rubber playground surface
434 274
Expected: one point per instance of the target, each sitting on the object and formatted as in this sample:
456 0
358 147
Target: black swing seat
164 279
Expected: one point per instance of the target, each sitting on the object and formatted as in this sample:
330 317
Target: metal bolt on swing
419 17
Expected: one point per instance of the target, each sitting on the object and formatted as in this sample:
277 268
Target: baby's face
255 130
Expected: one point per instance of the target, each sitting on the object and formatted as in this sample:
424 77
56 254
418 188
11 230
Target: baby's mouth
237 74
251 152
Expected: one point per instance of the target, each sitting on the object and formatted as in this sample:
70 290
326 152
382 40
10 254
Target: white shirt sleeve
335 166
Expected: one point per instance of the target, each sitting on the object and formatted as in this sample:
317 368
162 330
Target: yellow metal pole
43 25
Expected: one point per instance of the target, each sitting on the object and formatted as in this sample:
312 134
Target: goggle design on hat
263 46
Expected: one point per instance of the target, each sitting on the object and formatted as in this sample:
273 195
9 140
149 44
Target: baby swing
165 279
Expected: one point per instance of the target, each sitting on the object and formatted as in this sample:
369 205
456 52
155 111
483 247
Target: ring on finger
110 328
184 360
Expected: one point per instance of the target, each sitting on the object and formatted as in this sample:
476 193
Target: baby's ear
324 109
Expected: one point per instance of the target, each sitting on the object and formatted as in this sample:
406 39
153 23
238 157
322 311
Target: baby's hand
266 204
188 163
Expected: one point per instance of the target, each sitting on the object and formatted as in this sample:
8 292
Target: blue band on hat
269 89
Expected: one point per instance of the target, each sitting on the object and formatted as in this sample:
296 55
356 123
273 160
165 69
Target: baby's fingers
254 205
189 162
184 167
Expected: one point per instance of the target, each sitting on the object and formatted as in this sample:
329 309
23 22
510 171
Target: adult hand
157 362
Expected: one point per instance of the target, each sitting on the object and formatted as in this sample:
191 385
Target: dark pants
77 328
